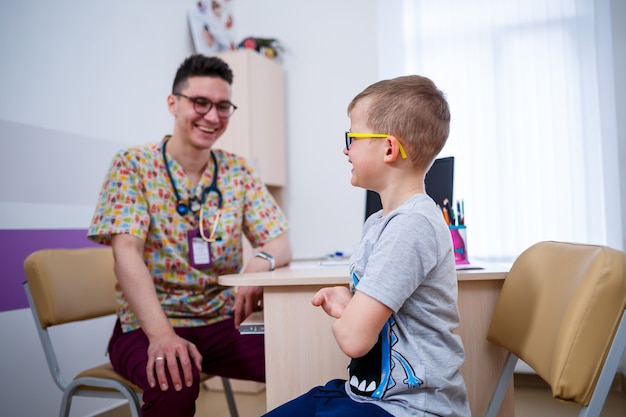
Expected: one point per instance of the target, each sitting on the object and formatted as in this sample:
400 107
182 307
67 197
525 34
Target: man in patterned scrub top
175 213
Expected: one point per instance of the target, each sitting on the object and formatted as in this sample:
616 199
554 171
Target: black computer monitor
439 184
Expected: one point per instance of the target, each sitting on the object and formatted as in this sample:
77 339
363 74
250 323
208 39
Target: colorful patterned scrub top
137 198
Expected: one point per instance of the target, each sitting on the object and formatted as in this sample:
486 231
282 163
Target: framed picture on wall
211 24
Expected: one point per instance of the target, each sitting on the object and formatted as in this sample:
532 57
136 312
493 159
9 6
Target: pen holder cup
459 242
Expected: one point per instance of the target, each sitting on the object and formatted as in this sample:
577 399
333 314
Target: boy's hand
333 300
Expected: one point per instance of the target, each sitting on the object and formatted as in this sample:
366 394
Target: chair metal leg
230 398
66 403
594 408
127 392
502 386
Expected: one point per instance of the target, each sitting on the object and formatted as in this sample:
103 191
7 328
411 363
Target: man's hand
169 351
248 299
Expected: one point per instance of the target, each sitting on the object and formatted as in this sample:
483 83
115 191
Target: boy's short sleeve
406 251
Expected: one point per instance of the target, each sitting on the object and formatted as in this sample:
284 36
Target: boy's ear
392 150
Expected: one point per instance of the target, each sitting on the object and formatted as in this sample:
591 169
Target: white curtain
521 78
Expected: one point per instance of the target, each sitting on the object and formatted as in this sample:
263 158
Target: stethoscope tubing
183 208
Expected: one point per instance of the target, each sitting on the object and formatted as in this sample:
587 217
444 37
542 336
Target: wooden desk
300 351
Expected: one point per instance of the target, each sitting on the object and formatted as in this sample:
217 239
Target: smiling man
175 213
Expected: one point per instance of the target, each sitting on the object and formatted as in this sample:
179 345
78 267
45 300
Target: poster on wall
211 25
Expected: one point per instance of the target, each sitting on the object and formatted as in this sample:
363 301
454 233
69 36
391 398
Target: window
529 142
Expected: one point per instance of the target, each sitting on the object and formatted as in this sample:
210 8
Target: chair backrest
558 311
71 284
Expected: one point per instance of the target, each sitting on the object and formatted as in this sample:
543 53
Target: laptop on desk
253 324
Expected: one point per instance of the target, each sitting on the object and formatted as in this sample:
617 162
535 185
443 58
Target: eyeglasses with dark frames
352 136
203 105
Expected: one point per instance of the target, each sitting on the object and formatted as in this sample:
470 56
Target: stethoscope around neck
194 204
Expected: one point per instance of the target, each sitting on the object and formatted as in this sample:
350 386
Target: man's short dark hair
201 66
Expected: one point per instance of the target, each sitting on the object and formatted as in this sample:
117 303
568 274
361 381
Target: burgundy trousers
224 352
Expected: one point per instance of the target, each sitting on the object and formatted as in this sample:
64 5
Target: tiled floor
532 399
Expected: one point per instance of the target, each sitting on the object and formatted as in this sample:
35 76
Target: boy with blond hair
397 319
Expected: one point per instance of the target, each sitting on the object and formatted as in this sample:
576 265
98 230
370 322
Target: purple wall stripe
17 245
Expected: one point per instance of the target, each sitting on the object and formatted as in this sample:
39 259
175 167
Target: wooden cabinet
257 128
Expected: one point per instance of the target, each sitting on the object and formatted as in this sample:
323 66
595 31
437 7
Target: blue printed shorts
328 401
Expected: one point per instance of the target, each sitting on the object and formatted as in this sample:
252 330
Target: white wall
331 55
81 79
102 70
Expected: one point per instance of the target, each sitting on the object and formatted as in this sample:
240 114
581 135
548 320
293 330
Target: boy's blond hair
412 109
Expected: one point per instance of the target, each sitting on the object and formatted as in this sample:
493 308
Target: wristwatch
267 257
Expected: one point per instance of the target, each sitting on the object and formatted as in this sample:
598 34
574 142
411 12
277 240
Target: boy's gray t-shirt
405 260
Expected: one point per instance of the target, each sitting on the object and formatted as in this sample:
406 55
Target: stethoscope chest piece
182 209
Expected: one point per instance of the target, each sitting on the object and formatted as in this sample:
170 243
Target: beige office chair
561 310
70 285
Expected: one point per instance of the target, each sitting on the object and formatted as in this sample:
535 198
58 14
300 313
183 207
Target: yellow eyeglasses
351 136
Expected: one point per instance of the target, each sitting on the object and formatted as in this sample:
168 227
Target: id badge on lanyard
199 250
200 244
